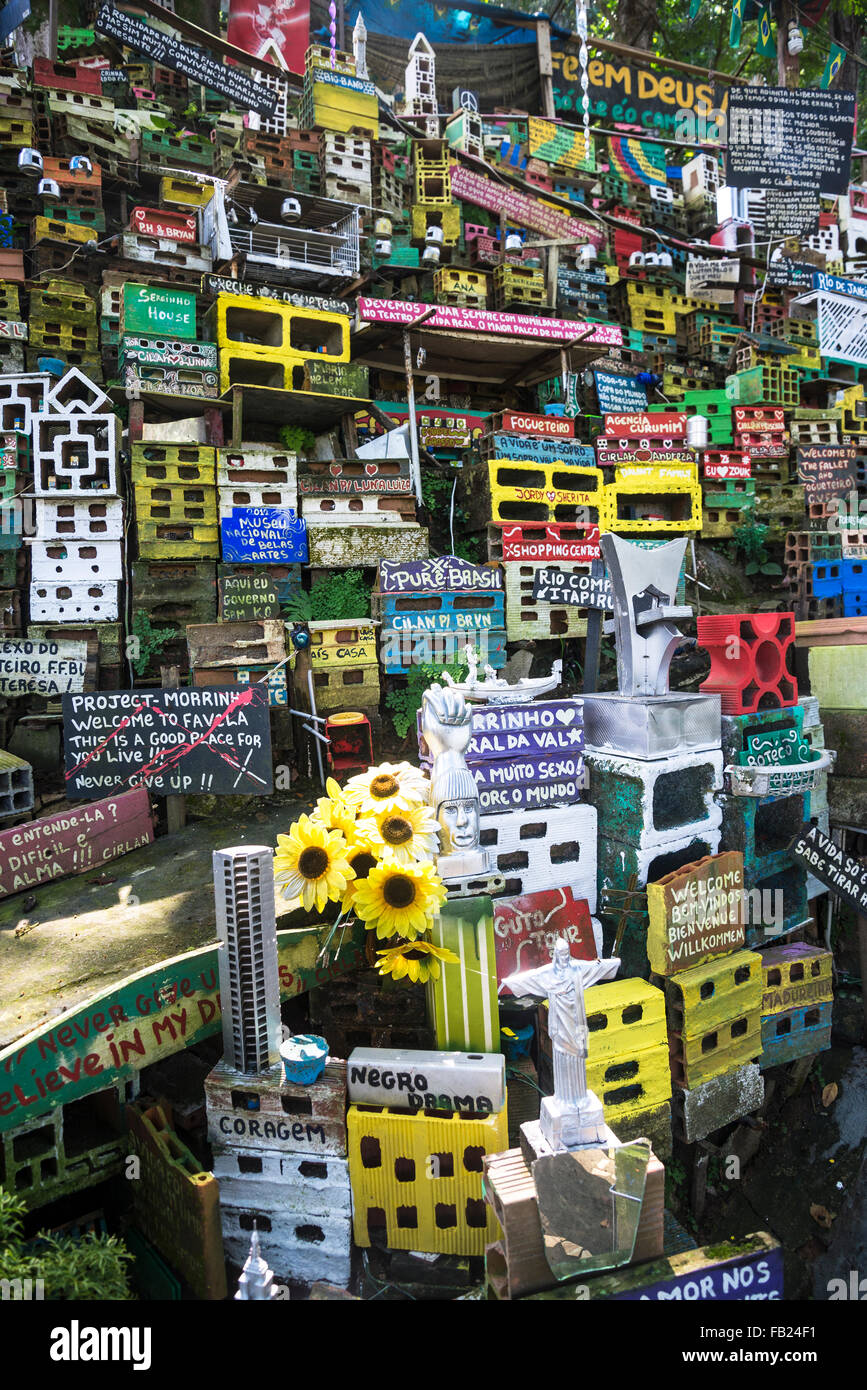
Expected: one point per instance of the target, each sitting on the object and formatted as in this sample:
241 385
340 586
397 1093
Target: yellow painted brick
708 995
732 1044
244 324
346 687
185 193
188 503
647 487
623 1017
551 485
417 1179
424 215
45 229
342 644
629 1083
795 975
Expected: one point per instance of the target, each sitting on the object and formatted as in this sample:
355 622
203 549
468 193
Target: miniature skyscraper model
249 983
420 83
257 1280
359 46
264 1130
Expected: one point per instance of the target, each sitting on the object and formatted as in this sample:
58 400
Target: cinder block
527 618
91 602
81 519
266 1112
345 547
714 1014
762 829
76 455
552 847
417 1179
649 803
795 1033
752 660
76 561
300 1247
716 1103
795 975
292 1184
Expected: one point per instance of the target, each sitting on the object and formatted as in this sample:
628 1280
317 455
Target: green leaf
772 569
752 568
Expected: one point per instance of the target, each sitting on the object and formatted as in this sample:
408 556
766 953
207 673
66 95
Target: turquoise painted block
795 1033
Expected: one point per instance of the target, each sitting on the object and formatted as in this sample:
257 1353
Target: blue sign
742 1278
263 535
12 15
834 284
619 394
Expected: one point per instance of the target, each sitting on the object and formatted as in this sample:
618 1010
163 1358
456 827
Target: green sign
165 313
147 1017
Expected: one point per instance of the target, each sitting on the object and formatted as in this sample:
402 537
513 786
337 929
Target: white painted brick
76 561
300 1184
290 1254
75 603
75 455
504 836
96 519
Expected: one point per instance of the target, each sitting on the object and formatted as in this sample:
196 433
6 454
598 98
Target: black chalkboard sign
784 137
579 590
791 212
213 739
826 470
184 57
845 876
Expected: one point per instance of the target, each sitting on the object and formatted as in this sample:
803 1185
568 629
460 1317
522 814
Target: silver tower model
249 982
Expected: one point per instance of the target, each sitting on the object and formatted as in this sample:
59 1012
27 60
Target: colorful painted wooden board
145 1018
536 448
41 668
528 782
527 928
353 477
826 470
263 535
578 590
442 612
703 1275
439 573
473 188
623 451
161 222
73 841
153 310
619 393
505 731
545 426
170 741
643 426
245 596
696 912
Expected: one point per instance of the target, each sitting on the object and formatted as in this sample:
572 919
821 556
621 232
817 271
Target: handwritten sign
448 572
541 449
639 426
826 470
618 92
792 138
619 393
159 47
529 781
758 420
517 207
145 1018
484 321
786 273
73 841
41 668
791 212
502 731
696 1275
835 284
713 279
527 928
845 876
353 477
263 535
721 464
299 299
151 310
549 543
696 913
407 1079
549 426
579 590
620 451
245 596
173 226
215 740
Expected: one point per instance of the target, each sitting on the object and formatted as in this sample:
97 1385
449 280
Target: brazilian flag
694 7
835 61
737 23
765 41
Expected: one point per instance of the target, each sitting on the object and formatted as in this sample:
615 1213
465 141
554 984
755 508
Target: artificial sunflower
399 899
363 855
419 960
334 811
403 835
311 863
388 787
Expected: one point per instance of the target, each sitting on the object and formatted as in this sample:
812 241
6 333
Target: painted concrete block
295 1183
648 803
552 847
303 1248
345 547
76 455
718 1102
406 1079
795 1033
795 975
762 829
266 1112
91 601
76 561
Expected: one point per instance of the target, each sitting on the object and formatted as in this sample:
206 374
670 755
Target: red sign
558 541
619 451
717 463
554 426
637 425
286 23
74 841
758 419
173 226
527 927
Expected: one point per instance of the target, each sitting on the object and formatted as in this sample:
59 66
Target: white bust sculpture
446 725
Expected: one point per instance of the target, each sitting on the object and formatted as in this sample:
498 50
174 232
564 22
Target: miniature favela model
433 677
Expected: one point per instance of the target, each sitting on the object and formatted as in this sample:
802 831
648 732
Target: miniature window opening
567 853
248 1164
811 1017
709 1042
797 971
621 1095
739 1028
315 336
815 967
245 1100
476 1214
784 1026
596 1022
633 1013
445 1215
407 1218
536 830
621 1071
441 1165
472 1159
311 1235
308 1169
775 976
404 1170
707 990
248 1222
742 975
296 1105
371 1153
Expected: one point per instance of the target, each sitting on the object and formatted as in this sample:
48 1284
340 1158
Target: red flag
287 22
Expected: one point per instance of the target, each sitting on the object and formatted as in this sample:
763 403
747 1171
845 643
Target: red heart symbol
370 469
335 469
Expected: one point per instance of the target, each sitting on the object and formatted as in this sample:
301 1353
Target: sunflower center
396 830
383 786
363 863
415 954
313 861
399 891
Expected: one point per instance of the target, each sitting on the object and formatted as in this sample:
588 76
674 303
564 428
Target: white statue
573 1117
447 725
497 691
